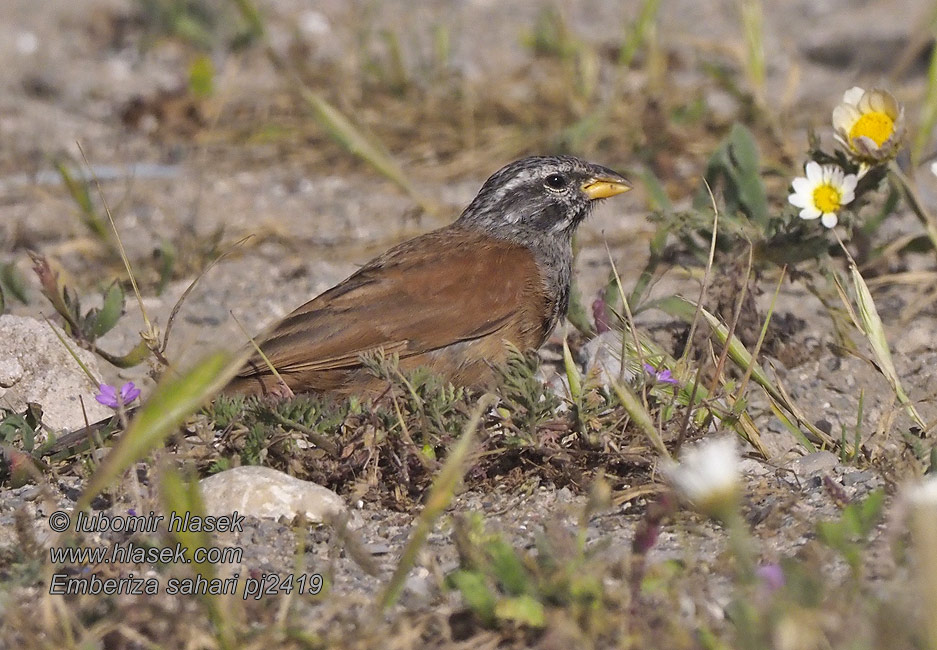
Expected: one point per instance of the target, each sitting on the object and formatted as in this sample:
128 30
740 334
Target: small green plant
86 327
551 36
527 401
849 535
199 23
505 587
21 429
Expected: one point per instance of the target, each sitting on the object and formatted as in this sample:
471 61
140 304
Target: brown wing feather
421 296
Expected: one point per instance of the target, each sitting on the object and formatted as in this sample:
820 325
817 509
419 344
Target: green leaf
746 172
175 398
735 164
870 511
573 376
507 567
133 358
640 415
101 321
202 77
14 282
15 425
525 610
475 592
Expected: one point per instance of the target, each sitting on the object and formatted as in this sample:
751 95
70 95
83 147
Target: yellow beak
602 188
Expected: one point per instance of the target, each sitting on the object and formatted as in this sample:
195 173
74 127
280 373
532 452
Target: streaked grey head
541 195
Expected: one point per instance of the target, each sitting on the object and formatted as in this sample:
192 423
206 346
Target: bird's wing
418 297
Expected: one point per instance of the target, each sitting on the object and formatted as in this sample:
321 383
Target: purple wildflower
109 395
771 576
659 376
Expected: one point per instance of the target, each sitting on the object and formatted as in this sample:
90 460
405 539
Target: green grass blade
632 403
637 34
874 330
183 496
353 139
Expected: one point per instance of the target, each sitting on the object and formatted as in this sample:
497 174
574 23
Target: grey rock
36 367
418 588
266 493
378 549
752 467
857 478
815 463
27 492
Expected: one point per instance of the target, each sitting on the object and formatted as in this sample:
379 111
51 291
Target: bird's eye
555 181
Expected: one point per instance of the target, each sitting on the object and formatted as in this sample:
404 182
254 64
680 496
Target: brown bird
451 298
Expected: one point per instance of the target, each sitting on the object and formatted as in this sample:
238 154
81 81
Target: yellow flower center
875 125
827 198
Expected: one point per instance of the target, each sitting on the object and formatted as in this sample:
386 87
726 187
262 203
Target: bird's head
541 195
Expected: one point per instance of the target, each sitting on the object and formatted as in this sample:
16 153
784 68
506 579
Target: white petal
803 186
798 200
899 120
809 212
865 145
849 183
814 172
847 197
853 95
844 116
706 470
876 101
829 220
933 168
924 493
892 108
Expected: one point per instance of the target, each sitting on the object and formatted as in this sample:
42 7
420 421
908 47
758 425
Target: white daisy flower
707 475
823 192
923 494
869 124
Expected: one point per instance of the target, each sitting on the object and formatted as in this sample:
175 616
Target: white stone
27 43
314 23
602 354
264 492
36 367
11 371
